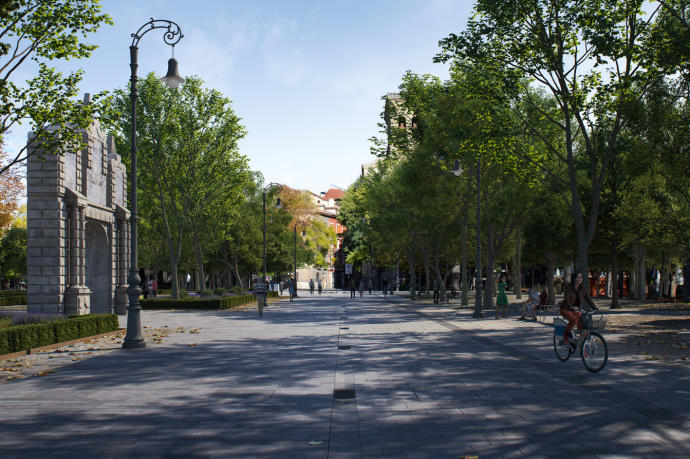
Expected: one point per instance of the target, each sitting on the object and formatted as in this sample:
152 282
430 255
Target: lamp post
478 282
171 36
278 206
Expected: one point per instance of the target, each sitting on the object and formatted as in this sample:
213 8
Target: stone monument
78 228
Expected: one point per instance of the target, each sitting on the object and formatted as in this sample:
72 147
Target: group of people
354 287
319 285
575 299
151 288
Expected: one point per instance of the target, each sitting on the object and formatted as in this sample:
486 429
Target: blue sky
306 77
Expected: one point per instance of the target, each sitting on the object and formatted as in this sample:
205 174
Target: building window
414 123
401 122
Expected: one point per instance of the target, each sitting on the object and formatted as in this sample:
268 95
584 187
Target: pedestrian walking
320 287
352 288
502 298
370 286
154 287
437 293
292 286
361 288
385 287
311 286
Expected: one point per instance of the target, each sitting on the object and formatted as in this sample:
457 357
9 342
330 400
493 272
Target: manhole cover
344 347
343 393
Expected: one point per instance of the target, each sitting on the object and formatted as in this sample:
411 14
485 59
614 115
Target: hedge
11 300
224 302
23 337
12 292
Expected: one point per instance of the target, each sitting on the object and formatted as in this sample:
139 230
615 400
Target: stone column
74 256
81 240
77 295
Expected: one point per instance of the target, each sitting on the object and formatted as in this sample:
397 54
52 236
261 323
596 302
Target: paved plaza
327 376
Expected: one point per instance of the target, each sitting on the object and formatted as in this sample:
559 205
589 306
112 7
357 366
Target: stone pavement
326 376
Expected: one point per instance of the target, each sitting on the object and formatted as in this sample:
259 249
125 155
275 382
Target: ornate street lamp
262 301
457 170
172 35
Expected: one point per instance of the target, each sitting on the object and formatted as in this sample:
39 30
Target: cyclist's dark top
572 298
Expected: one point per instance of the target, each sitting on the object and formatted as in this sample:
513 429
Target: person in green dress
502 298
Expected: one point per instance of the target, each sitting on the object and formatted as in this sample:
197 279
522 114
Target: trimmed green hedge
23 337
17 297
224 302
12 292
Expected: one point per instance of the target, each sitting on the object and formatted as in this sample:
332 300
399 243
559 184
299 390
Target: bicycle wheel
562 350
594 352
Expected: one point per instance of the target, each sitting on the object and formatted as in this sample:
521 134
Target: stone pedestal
77 300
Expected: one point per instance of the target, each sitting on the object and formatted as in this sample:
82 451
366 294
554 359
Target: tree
42 32
13 248
191 175
11 189
589 55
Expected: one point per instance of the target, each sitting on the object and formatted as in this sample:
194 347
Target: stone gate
78 229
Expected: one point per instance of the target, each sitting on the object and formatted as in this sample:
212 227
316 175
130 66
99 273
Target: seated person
542 305
529 304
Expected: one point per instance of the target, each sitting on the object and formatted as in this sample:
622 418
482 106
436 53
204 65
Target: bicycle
591 345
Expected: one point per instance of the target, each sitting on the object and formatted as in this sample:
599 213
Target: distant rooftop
334 193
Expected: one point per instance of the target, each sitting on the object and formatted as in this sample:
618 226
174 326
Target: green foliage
13 253
542 42
22 337
219 291
39 32
192 178
12 300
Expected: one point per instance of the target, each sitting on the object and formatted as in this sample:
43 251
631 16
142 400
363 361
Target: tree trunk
237 274
614 278
640 284
489 287
175 292
465 287
550 269
427 262
200 264
664 275
517 266
413 274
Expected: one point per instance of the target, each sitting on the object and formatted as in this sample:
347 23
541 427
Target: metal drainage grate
344 328
342 394
344 347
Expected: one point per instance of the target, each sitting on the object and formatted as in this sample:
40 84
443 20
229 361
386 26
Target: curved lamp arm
171 36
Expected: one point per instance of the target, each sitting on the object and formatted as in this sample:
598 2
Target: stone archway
98 272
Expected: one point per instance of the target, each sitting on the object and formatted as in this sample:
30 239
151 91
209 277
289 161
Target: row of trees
568 118
200 204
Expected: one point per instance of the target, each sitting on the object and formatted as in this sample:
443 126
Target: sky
306 77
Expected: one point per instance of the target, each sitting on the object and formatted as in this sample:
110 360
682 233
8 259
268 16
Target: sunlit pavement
327 376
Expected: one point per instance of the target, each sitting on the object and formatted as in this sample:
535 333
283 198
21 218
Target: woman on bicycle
574 297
